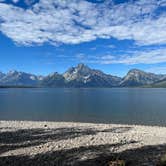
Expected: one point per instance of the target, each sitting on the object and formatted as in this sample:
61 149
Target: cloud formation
77 21
157 69
136 57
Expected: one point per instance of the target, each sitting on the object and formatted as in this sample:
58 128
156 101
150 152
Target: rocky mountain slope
82 76
137 77
1 75
53 80
13 78
159 84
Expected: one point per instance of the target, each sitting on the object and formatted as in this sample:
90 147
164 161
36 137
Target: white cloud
76 21
15 1
157 69
137 57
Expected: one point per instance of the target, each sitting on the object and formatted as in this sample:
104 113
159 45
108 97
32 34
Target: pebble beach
67 143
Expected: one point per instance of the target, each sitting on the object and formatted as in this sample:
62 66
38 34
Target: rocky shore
62 143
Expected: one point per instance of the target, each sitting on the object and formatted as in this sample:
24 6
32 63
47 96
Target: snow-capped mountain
83 76
53 80
1 75
137 77
19 78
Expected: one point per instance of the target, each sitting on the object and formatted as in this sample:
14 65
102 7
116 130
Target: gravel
75 141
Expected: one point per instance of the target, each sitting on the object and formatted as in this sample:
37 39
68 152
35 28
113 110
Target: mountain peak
81 76
53 74
1 74
12 72
135 71
77 73
84 76
81 66
14 77
136 77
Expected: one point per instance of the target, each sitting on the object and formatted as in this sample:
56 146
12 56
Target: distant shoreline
2 87
38 87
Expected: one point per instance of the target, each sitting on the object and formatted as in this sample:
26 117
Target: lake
97 105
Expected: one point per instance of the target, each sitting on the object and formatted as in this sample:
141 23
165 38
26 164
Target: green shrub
163 161
117 163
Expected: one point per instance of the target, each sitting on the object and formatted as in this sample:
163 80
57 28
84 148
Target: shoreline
89 140
85 123
77 122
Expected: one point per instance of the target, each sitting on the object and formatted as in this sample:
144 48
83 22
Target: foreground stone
60 143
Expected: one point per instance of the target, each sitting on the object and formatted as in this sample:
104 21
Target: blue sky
111 35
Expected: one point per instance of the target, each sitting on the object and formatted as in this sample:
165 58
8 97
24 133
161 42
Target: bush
163 161
117 163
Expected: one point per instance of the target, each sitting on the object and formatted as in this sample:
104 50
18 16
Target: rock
116 163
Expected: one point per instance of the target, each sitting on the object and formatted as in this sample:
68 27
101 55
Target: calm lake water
131 106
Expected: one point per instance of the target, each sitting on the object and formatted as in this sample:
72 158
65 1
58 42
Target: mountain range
83 76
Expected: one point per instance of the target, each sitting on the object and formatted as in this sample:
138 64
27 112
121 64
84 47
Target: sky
45 36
